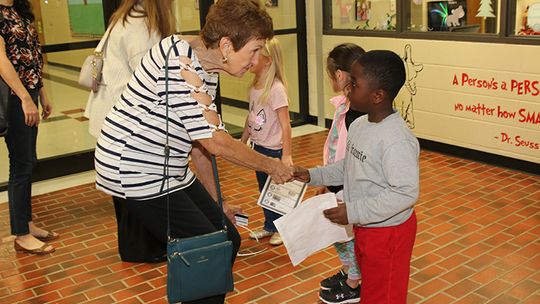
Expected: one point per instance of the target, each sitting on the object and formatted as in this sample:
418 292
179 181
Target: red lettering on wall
524 87
518 141
480 109
529 117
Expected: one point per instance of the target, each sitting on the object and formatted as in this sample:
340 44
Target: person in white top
136 26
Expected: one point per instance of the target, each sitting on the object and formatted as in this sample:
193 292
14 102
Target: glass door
68 31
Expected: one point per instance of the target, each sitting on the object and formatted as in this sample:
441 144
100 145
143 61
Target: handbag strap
102 46
167 151
218 189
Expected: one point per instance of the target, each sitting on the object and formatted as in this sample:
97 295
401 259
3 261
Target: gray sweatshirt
380 172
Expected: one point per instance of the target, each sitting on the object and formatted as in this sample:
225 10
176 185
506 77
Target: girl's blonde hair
275 71
158 14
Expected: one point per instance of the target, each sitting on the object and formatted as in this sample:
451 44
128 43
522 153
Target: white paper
305 230
282 198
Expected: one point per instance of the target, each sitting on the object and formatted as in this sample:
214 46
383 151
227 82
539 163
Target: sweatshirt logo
355 152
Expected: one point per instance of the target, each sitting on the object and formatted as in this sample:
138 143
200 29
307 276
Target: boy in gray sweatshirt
380 175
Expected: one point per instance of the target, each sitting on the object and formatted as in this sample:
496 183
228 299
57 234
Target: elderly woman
130 155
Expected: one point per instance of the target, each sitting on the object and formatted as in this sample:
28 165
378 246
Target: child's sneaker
334 280
276 240
340 294
260 234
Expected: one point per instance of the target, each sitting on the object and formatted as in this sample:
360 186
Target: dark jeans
21 144
192 211
269 216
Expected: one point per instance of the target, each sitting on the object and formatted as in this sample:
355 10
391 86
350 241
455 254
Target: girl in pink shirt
268 125
344 286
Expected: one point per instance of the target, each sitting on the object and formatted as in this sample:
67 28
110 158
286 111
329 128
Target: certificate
281 198
298 227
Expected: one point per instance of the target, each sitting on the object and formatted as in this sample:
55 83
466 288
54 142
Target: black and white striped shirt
129 157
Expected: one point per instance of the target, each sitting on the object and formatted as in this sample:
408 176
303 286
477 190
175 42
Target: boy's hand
337 214
301 174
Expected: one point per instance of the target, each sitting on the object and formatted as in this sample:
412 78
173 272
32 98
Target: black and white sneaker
334 280
340 294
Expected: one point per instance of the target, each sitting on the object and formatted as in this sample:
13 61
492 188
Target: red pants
384 258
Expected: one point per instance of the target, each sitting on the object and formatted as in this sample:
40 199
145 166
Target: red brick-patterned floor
478 242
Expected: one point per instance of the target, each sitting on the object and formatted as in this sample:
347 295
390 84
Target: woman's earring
224 60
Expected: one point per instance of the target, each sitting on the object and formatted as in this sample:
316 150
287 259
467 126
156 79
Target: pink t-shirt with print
263 122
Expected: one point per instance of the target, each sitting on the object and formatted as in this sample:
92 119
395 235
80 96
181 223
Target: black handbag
4 100
198 266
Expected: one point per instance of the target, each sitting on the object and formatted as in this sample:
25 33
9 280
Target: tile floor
478 242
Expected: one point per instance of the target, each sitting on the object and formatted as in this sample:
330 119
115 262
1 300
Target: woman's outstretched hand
281 173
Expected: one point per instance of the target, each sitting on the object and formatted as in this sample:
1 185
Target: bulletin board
86 17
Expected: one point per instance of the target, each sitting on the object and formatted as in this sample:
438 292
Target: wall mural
411 73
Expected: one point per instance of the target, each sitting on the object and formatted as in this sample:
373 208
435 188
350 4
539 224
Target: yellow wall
438 115
187 15
283 17
237 88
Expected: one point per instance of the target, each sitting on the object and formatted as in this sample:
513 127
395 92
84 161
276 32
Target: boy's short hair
383 69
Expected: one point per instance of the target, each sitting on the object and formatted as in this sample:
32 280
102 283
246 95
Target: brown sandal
51 235
40 251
